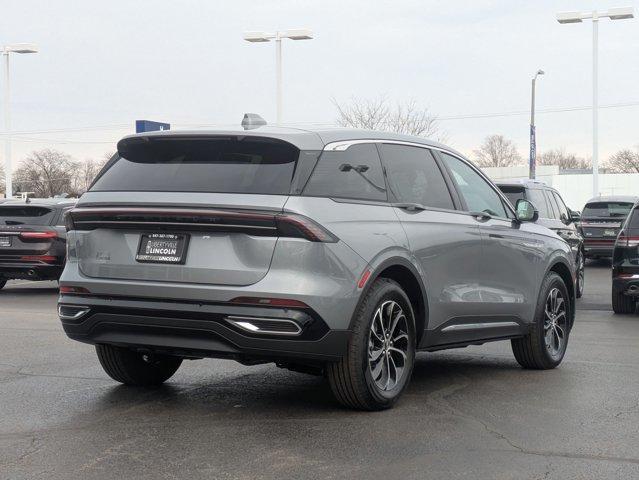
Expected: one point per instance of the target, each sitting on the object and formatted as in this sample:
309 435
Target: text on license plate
162 248
5 241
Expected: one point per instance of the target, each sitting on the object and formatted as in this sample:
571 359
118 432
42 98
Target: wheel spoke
399 316
401 336
373 355
375 372
397 350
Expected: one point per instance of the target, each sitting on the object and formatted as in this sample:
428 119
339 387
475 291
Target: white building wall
576 190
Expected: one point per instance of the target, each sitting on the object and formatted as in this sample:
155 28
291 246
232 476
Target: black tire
581 270
532 351
622 304
2 284
133 368
351 379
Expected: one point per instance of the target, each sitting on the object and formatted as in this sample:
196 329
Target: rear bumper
200 329
30 270
599 248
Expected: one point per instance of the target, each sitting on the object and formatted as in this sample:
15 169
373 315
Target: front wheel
380 357
134 368
545 345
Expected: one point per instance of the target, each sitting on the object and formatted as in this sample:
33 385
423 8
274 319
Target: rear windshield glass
25 215
607 209
217 165
513 193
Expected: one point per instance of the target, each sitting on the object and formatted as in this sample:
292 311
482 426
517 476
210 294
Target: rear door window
25 215
355 173
414 177
207 164
634 220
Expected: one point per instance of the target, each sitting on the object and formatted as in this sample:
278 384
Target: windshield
210 164
606 209
512 193
25 215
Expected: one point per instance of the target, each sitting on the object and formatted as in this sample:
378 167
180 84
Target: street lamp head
21 48
541 72
621 13
298 34
569 17
257 37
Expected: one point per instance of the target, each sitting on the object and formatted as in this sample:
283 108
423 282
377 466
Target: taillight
33 236
292 225
73 289
270 302
625 240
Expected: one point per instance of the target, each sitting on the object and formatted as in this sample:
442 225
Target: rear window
607 209
634 220
25 215
512 193
216 165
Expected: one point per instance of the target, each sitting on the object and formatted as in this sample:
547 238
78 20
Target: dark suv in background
601 221
32 239
554 214
625 265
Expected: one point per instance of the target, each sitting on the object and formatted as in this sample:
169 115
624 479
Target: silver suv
337 252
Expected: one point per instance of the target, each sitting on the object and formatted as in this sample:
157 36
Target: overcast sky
104 64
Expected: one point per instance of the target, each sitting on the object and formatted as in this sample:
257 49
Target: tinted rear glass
25 215
354 173
634 220
606 209
217 165
512 193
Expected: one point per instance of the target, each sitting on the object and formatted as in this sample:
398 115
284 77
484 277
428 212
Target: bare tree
46 173
497 151
564 160
624 161
379 114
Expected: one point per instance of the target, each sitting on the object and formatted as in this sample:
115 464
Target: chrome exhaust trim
72 312
265 326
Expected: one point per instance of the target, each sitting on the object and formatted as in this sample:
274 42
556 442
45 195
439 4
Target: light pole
6 50
297 34
533 136
619 13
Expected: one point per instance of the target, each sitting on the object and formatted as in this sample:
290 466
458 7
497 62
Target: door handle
481 216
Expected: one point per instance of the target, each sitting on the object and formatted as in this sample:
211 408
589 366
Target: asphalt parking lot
469 413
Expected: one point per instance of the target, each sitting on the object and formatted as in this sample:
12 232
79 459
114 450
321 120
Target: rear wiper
13 222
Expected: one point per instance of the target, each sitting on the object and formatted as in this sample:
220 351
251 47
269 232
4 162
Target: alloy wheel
388 344
555 323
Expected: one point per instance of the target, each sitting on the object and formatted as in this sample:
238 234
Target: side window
552 205
354 173
563 210
477 192
414 177
60 220
538 199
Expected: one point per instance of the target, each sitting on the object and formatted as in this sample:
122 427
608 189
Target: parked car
601 221
625 265
333 251
554 214
32 239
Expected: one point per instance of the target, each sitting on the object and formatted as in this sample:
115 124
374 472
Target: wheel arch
402 271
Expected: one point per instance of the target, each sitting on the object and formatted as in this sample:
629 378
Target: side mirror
575 216
526 211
